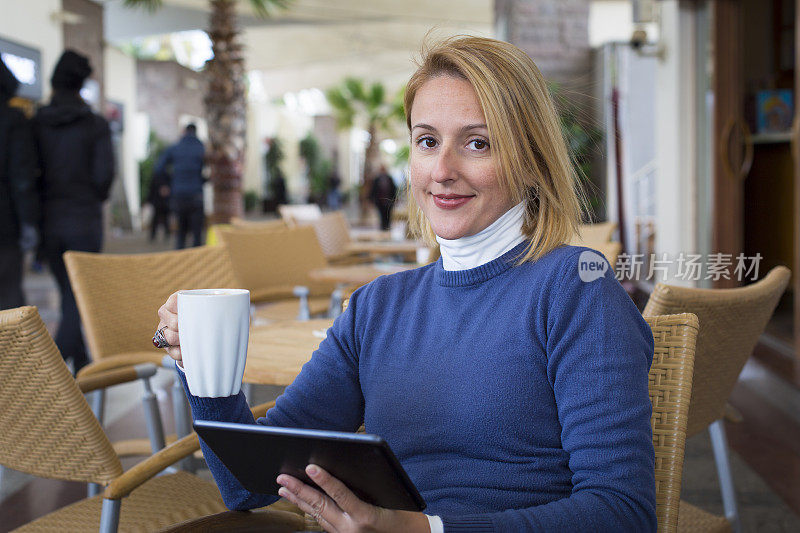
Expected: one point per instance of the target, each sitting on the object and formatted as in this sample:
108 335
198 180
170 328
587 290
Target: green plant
319 167
155 146
250 200
584 143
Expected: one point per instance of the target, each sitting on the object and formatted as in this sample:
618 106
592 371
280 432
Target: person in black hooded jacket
19 207
77 166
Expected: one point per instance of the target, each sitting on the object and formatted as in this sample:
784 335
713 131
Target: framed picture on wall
774 111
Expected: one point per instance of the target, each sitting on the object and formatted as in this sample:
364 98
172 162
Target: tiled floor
766 444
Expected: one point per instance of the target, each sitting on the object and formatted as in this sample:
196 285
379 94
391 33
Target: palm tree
353 101
225 102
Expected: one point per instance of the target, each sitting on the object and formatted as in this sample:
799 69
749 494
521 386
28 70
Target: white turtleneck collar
475 250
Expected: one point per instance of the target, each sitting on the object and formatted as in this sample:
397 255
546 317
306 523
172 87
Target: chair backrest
731 320
594 235
294 214
257 225
118 296
48 429
333 233
270 263
610 251
670 386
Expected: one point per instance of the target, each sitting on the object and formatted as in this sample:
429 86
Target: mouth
451 201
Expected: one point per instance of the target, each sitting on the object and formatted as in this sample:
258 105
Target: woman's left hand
342 511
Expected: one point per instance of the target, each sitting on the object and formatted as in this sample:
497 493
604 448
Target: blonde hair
531 156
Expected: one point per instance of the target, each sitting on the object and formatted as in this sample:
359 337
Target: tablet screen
257 454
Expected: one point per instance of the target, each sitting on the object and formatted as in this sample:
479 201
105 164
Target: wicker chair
50 431
294 214
271 263
594 235
118 297
731 320
241 223
670 384
333 234
610 251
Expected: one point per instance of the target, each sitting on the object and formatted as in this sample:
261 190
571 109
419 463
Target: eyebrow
463 129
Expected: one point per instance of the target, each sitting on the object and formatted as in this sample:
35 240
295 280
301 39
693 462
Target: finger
175 353
310 501
172 303
172 337
168 317
338 491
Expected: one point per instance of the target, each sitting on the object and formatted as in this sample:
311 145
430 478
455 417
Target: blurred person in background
334 199
76 161
19 203
183 163
159 196
383 195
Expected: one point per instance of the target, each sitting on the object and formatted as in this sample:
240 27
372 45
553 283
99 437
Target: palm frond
147 5
265 8
355 87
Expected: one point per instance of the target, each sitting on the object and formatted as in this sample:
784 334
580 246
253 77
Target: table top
278 350
356 274
384 247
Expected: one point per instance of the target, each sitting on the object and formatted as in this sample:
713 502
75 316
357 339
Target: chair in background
594 235
731 321
670 387
257 225
333 234
273 263
50 431
118 297
610 251
295 214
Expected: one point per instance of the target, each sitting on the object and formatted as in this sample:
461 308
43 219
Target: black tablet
257 454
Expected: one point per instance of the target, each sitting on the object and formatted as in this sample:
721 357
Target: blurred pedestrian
383 195
184 163
334 196
158 197
77 166
19 202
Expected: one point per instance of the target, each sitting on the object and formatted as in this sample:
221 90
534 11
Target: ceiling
316 43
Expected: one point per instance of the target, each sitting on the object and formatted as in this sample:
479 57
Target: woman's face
453 175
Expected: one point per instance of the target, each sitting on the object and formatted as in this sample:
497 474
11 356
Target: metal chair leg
183 425
304 313
719 443
99 404
93 489
152 417
335 308
109 516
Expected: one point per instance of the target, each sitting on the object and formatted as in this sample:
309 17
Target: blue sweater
515 397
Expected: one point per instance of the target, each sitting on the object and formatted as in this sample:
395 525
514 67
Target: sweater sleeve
228 409
599 351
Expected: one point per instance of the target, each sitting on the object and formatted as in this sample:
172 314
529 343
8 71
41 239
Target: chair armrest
126 359
135 476
101 380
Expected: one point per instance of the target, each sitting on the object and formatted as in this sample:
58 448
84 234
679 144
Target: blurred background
680 115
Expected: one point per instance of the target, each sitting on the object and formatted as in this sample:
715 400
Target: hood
8 83
63 110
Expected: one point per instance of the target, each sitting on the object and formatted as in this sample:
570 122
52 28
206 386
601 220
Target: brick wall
86 37
166 90
555 33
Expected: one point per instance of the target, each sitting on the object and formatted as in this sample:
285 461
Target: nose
445 168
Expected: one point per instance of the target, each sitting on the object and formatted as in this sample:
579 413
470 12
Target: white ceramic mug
214 327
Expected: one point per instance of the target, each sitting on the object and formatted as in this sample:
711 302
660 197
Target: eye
426 143
479 144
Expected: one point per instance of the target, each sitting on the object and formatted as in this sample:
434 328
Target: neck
475 250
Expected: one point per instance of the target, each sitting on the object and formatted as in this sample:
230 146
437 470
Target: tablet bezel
229 441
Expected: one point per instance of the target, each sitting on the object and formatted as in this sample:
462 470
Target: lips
451 201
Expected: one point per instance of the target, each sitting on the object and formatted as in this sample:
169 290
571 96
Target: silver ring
159 341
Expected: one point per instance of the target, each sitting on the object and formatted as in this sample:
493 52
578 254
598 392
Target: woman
513 393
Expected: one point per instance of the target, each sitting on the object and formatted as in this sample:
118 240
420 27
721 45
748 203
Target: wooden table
277 351
355 274
385 247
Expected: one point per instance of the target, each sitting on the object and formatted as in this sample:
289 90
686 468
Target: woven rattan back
46 426
118 295
333 233
594 235
258 225
670 385
610 251
270 263
731 320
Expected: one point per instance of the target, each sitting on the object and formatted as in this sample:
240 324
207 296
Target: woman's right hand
168 319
